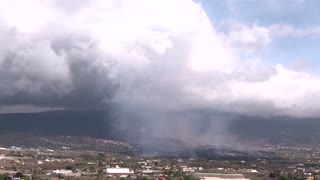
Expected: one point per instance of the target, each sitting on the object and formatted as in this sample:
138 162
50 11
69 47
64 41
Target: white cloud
26 15
246 39
280 92
285 30
288 91
161 53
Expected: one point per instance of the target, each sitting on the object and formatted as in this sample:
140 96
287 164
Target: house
184 168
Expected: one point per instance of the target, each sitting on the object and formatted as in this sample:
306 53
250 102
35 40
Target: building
61 171
219 176
118 171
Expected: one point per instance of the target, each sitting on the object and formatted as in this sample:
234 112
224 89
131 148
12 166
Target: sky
292 26
253 57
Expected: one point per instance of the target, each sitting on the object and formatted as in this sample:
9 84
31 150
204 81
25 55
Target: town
280 162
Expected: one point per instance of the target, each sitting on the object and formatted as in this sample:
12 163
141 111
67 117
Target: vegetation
284 176
7 176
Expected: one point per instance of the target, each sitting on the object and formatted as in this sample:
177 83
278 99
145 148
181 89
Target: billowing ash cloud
161 55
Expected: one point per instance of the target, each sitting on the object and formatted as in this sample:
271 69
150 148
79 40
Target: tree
4 176
272 175
68 167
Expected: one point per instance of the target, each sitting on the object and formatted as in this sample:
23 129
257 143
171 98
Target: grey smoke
143 63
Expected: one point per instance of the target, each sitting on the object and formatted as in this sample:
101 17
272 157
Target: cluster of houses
64 173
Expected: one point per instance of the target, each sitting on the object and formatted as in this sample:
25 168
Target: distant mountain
101 124
66 122
280 129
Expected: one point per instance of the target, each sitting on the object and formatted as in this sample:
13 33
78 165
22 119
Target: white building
61 171
147 171
219 176
117 170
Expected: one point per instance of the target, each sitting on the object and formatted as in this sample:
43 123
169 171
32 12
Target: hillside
99 124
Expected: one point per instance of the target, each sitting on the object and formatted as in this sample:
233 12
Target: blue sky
267 12
288 49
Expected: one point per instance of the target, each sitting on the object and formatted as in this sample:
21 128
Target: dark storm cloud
55 73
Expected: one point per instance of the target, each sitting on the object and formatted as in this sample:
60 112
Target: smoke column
159 62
